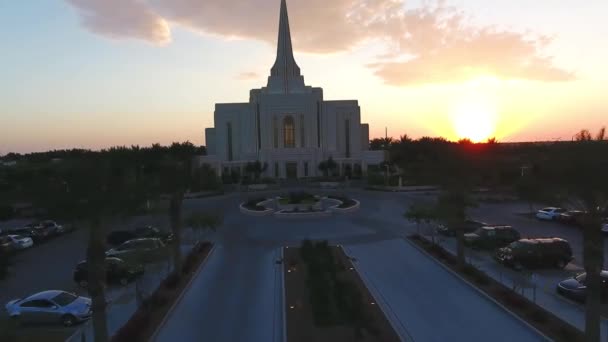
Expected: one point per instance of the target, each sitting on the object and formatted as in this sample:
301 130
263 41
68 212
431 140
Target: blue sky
65 85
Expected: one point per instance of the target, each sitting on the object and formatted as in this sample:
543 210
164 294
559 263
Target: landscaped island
299 204
327 300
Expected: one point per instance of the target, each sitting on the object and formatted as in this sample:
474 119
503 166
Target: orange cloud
431 44
123 19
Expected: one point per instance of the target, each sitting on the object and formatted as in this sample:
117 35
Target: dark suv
469 226
117 272
491 237
536 253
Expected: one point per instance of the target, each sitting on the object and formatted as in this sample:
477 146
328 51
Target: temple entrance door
291 170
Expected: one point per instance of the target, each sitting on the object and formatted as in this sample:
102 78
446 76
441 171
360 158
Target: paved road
430 303
234 296
237 297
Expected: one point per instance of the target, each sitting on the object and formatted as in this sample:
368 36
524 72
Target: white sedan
605 227
21 242
549 213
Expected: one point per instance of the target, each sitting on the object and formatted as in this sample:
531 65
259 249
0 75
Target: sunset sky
98 73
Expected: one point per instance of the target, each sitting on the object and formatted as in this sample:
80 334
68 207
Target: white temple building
288 125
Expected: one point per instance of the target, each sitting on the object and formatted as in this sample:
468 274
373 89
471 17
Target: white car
605 227
549 213
21 242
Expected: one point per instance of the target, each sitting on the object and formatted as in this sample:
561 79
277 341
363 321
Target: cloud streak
248 75
119 19
431 44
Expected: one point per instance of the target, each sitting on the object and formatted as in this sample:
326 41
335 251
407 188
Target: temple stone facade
288 125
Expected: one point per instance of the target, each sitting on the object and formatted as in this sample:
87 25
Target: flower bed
327 300
254 204
346 202
543 320
148 317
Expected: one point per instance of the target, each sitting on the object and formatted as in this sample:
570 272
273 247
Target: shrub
131 331
171 281
252 204
306 250
539 316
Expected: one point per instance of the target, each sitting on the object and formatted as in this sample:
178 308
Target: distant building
288 125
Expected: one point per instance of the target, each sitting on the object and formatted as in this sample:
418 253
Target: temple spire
285 74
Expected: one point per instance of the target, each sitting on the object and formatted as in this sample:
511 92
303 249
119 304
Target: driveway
237 297
430 303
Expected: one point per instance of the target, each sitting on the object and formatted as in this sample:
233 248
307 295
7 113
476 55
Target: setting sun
474 120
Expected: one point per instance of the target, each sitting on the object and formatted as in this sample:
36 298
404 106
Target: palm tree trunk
593 262
97 277
460 247
175 215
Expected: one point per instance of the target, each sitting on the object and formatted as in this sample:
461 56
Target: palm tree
584 172
451 209
92 189
418 214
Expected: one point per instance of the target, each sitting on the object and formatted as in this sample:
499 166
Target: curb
385 307
181 295
283 304
483 294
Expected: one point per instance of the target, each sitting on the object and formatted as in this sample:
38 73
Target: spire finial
285 73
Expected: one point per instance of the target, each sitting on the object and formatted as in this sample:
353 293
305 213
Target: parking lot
536 284
50 265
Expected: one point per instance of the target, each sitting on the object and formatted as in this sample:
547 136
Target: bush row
334 300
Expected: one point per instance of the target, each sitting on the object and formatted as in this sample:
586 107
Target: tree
94 190
580 170
381 144
331 165
256 169
451 209
418 214
528 188
204 221
328 166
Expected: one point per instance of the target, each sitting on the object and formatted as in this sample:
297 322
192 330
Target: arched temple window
289 134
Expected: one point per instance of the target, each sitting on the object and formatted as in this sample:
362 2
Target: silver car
50 307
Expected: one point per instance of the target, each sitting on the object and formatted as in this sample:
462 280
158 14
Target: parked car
605 227
491 237
575 287
37 235
21 242
51 227
536 253
469 226
549 213
118 237
572 217
138 249
117 272
50 307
